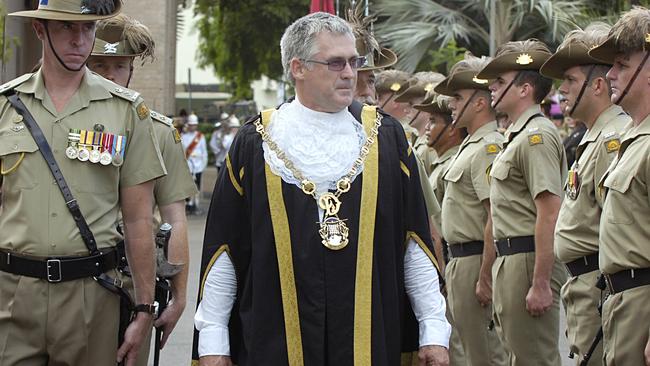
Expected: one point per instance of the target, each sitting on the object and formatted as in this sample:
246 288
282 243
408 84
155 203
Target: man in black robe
317 227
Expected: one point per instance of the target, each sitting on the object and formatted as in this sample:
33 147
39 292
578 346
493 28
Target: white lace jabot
322 146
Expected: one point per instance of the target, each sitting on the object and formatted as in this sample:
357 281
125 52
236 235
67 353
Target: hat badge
111 47
428 87
647 37
524 59
479 81
395 87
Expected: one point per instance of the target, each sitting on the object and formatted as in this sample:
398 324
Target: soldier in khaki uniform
466 219
52 311
118 42
417 93
624 255
446 140
389 84
525 190
576 233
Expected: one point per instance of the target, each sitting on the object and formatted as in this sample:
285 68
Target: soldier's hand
484 291
433 356
135 334
646 353
539 299
215 361
168 319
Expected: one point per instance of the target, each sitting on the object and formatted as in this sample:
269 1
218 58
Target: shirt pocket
454 175
500 170
622 208
17 154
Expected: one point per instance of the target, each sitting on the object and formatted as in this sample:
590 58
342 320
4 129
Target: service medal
84 154
94 156
71 152
117 160
105 158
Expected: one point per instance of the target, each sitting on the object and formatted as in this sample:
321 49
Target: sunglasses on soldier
338 64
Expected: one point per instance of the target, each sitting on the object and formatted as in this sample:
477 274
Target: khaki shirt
532 161
576 231
178 184
464 215
424 152
624 229
437 184
34 219
411 133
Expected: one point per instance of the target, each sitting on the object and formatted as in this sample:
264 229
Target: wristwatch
147 308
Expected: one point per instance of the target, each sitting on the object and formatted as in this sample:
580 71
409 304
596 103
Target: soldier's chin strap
128 81
392 94
435 141
582 89
414 117
636 74
462 111
507 89
49 41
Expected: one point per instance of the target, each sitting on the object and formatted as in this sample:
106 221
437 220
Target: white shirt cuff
423 290
213 313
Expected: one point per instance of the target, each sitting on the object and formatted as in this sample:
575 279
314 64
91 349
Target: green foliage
5 43
413 27
443 59
240 39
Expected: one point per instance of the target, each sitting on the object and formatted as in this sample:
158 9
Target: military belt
466 249
627 279
58 269
582 265
515 245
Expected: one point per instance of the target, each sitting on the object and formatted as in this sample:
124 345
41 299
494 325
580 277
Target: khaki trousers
581 298
62 324
472 321
626 325
528 340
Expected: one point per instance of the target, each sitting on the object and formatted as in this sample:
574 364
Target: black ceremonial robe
297 302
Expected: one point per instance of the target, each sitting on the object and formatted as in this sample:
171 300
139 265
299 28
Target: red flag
322 5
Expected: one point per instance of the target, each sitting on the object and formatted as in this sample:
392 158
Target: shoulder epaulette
124 93
161 118
10 85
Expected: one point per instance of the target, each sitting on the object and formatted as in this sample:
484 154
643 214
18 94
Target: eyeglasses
338 64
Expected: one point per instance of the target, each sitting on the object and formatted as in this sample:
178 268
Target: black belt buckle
54 270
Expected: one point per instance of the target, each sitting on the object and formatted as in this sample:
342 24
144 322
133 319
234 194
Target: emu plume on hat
463 75
630 34
377 57
123 35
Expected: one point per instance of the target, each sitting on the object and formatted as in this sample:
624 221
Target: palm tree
413 27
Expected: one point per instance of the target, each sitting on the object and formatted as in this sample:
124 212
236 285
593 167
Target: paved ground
178 350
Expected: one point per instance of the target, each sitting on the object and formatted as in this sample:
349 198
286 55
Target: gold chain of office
333 231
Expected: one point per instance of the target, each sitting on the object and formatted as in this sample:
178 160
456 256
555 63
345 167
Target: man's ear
39 28
297 68
526 90
600 86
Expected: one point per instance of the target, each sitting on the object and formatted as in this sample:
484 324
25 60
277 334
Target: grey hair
299 39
